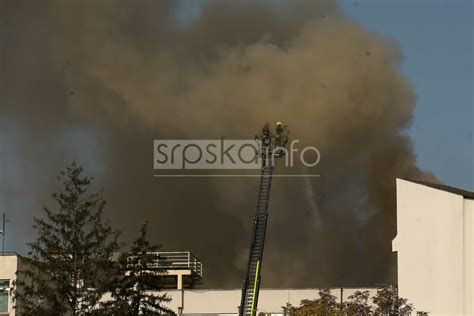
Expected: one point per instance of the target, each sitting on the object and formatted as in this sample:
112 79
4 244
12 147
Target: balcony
177 268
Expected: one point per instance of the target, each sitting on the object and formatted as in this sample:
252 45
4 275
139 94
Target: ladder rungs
258 238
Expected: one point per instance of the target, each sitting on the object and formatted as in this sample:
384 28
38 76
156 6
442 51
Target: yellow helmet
279 124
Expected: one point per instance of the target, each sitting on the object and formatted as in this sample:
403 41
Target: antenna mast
2 231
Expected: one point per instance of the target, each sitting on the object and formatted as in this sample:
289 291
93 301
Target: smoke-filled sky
97 82
437 39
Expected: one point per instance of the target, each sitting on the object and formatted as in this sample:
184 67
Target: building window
4 288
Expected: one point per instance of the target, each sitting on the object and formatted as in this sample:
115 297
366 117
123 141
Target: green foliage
357 304
388 303
324 305
288 309
68 268
130 295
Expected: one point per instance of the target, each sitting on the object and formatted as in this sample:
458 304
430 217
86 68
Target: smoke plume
97 82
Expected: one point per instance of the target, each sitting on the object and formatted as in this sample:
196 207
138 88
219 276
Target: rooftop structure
179 269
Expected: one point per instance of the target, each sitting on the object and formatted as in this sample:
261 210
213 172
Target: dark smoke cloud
96 82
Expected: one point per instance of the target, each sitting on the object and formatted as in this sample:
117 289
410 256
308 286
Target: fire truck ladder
251 288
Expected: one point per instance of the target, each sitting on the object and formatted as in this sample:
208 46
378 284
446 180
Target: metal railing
175 260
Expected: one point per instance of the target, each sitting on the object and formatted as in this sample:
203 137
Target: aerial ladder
251 288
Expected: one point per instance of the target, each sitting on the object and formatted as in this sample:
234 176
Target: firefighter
266 129
266 134
280 138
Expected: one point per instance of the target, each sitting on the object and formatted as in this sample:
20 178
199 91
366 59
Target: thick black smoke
96 82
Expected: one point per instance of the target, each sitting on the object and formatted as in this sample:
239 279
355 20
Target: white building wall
468 256
227 301
433 232
8 268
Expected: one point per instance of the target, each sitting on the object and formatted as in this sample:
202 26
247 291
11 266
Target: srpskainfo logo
207 154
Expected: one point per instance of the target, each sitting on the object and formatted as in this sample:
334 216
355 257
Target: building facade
434 246
9 264
226 302
192 301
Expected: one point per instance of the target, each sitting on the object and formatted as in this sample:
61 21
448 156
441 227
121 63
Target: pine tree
69 264
136 288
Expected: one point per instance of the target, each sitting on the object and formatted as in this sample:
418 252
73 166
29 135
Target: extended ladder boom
251 288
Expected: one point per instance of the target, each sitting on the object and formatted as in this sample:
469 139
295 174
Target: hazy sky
437 41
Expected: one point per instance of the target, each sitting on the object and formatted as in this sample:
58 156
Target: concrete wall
468 256
8 267
434 245
227 301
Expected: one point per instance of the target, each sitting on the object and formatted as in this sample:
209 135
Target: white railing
177 260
